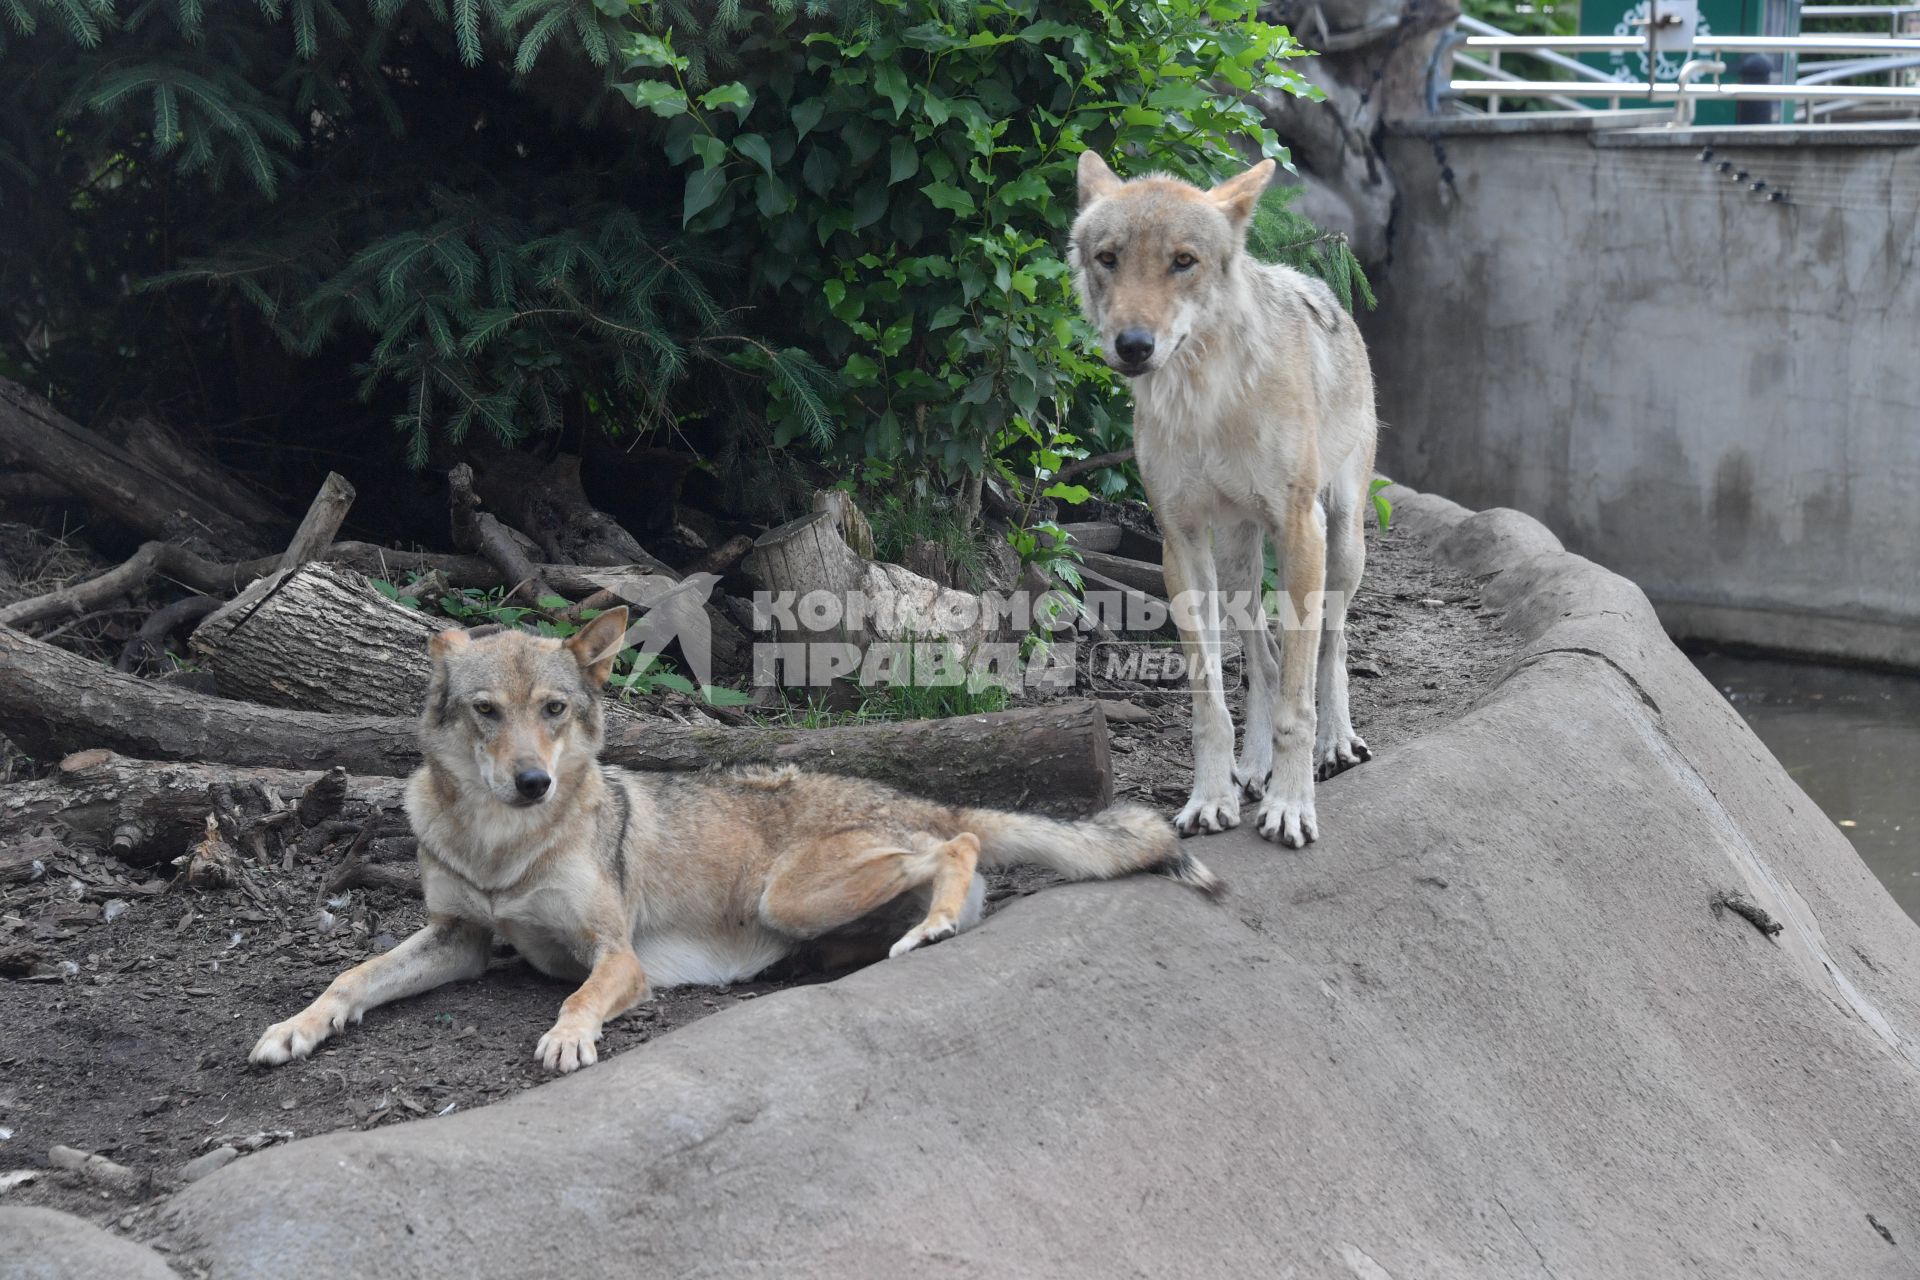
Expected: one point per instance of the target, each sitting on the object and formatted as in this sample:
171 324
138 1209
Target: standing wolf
1253 417
622 880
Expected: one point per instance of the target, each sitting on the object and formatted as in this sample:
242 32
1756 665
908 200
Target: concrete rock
42 1244
1490 1025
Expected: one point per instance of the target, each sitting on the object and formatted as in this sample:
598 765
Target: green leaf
1071 494
553 602
755 148
904 160
734 95
945 195
703 190
806 116
671 680
720 696
891 81
657 96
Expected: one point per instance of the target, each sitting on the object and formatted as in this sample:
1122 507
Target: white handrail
1667 90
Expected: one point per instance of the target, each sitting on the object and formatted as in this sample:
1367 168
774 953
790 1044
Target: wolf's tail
1114 842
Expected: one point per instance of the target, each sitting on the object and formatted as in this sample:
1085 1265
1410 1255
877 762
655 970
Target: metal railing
1477 47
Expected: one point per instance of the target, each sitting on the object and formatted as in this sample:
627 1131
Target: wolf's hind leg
829 883
446 950
952 884
1337 747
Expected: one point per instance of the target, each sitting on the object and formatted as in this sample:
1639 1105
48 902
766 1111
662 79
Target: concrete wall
1712 394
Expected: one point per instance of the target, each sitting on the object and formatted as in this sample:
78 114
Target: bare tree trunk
1373 68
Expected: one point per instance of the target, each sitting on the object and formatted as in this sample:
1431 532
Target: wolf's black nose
532 783
1133 345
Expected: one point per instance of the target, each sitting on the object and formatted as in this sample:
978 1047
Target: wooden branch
1080 466
477 530
724 558
323 519
1052 758
150 641
35 435
91 593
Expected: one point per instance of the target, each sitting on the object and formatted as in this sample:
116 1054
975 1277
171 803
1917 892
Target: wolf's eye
484 707
1107 258
1183 261
556 707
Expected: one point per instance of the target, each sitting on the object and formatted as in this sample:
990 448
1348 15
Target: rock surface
43 1244
1491 1024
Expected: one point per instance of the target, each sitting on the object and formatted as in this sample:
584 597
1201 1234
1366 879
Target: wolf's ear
1239 196
596 645
446 642
1096 179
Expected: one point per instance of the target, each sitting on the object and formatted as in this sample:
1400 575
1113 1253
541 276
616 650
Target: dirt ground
128 1001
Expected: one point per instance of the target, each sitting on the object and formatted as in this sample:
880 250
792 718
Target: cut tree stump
808 556
1052 758
319 638
35 435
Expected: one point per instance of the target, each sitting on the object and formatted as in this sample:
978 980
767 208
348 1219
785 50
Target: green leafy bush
901 188
767 232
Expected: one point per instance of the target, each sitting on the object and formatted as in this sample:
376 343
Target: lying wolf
1253 418
624 881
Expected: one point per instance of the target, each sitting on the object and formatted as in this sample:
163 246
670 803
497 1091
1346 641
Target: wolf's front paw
1339 753
921 934
568 1046
1208 814
297 1037
1288 822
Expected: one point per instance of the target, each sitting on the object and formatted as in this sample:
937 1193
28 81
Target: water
1851 739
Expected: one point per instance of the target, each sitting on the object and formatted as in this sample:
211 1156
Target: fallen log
53 702
1138 574
1096 535
149 811
35 435
1051 758
163 451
